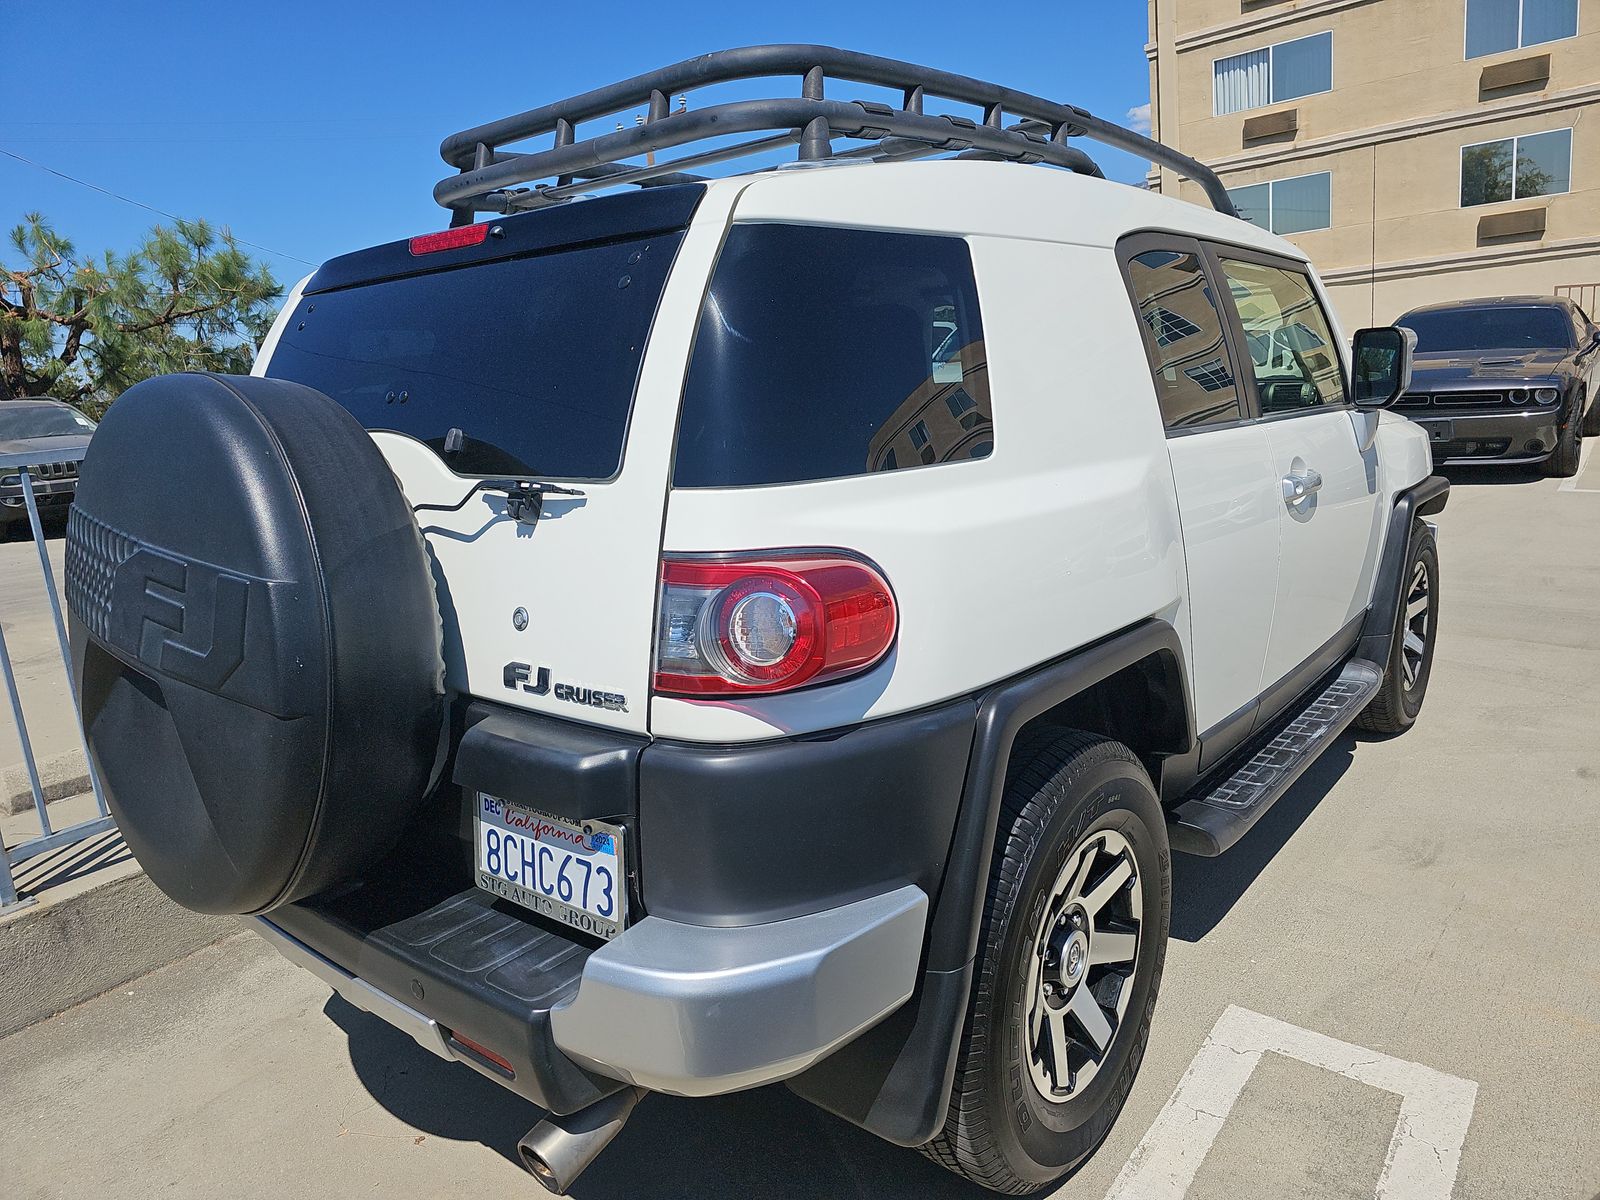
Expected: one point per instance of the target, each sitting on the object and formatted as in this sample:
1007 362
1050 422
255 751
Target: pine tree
85 329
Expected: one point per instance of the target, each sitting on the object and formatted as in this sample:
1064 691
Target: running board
1219 814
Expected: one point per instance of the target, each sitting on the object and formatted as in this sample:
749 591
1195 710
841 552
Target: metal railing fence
1583 295
26 466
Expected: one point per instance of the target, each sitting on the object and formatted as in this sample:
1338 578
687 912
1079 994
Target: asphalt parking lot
1398 972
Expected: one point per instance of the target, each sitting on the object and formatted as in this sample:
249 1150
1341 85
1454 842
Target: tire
1563 461
1405 676
1591 420
1078 809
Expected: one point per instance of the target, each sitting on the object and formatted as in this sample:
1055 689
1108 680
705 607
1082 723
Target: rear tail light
449 239
768 623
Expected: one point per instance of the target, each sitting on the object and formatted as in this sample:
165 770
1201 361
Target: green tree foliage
85 329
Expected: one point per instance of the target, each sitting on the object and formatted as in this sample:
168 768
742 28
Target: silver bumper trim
694 1010
423 1029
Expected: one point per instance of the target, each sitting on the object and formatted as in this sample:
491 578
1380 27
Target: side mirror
1383 365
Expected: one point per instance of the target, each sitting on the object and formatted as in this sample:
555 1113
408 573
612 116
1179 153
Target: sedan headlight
1546 395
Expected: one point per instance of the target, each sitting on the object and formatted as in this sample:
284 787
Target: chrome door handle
1301 485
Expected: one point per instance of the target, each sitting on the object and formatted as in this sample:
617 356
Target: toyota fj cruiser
760 628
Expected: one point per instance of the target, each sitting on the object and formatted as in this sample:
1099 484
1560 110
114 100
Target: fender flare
1377 631
895 1080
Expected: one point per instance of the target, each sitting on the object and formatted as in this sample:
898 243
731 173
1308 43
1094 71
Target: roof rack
488 176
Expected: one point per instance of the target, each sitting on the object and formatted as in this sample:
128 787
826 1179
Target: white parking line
1424 1154
1571 485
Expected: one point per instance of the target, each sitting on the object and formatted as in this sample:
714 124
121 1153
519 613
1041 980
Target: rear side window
824 353
533 359
1189 357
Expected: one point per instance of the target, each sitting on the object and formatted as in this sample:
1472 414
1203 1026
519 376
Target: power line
160 212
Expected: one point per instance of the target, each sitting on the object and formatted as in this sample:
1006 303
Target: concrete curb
60 776
58 955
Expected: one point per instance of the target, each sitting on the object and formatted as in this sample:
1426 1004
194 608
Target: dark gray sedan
46 428
1504 380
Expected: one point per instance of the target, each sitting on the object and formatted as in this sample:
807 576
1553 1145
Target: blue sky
313 128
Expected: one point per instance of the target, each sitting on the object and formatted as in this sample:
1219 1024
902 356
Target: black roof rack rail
488 175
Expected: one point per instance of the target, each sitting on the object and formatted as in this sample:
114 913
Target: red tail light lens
769 623
449 239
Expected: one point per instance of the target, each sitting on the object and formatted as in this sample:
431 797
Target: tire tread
1043 763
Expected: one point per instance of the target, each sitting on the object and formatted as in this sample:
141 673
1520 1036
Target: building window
1212 376
1497 25
1516 168
1286 71
1296 205
1168 326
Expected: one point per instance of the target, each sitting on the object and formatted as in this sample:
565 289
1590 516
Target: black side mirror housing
1382 365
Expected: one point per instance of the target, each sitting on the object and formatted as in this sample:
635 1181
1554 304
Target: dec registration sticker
570 872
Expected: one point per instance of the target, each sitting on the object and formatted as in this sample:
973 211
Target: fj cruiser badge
522 675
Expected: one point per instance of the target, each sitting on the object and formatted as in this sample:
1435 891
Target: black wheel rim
1083 956
1417 628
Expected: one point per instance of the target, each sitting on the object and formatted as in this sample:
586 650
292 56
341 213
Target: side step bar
1221 812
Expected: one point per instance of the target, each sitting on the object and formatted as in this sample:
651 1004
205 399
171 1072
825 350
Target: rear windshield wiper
524 496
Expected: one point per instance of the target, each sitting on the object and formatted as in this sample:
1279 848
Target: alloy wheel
1082 959
1418 625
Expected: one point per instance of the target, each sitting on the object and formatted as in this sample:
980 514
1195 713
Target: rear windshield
533 359
1490 329
827 352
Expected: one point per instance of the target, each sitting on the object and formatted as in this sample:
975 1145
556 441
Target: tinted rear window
533 359
1489 329
826 352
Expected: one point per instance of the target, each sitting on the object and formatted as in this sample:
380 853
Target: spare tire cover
256 639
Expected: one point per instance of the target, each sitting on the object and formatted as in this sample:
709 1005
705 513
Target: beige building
1417 150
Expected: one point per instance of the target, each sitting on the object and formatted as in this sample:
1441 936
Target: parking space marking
1424 1154
1571 485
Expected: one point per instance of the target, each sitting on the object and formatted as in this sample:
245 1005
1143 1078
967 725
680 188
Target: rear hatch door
518 349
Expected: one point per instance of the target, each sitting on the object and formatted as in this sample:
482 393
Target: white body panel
1074 528
587 574
1228 499
1328 542
1066 533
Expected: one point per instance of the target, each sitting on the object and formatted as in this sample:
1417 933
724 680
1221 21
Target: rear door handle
1299 486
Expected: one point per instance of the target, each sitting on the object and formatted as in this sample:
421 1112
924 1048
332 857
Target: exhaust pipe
559 1149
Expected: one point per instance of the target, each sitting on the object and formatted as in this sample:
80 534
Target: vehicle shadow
1468 476
759 1144
1204 890
54 524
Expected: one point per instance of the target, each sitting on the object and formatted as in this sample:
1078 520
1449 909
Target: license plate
559 869
1439 431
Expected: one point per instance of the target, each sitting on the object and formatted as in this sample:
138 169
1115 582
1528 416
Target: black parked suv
1504 380
43 433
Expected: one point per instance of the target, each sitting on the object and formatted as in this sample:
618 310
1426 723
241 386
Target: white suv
762 628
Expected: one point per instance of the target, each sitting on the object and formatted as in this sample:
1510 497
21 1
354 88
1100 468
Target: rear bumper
684 1009
695 1011
1470 436
420 1027
779 891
